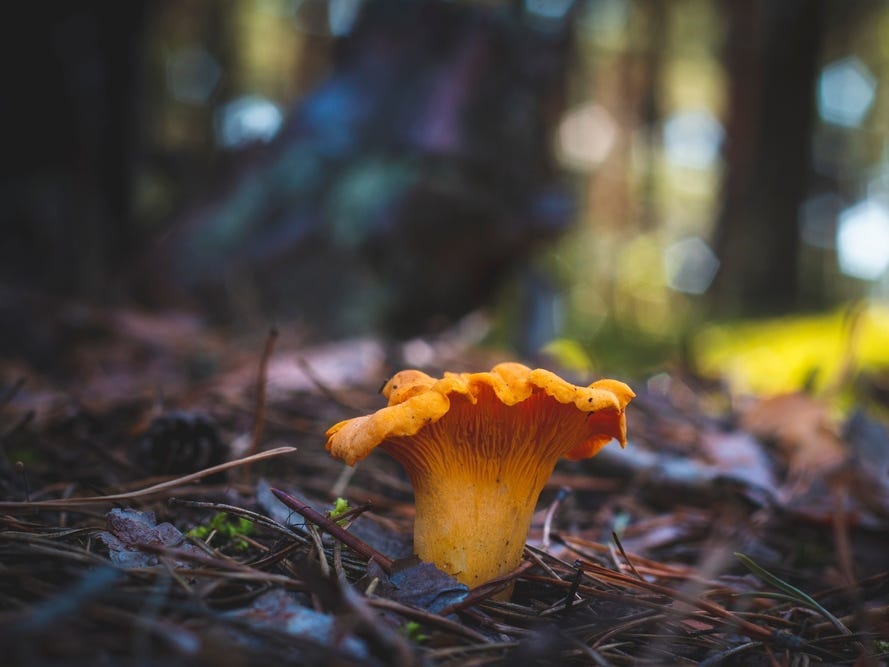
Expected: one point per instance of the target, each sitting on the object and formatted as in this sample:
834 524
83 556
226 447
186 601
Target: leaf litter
721 535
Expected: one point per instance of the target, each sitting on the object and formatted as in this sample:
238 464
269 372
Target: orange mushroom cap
479 448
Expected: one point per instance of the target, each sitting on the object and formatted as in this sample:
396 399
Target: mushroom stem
475 530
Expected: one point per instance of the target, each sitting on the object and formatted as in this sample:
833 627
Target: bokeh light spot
549 9
846 90
586 136
341 15
863 240
247 120
692 139
690 266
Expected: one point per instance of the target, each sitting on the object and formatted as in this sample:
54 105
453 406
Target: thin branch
624 554
488 589
561 495
261 381
430 619
148 491
322 387
333 529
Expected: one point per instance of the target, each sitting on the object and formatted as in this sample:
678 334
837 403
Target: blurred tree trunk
772 58
654 16
71 81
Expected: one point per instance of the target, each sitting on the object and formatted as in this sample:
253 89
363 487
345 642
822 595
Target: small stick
433 620
624 554
20 469
147 491
487 589
533 555
253 517
575 584
550 513
261 380
225 564
319 547
746 627
353 513
342 482
10 393
331 527
320 385
841 540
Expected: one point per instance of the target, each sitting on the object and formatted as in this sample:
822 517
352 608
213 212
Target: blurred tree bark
772 56
71 82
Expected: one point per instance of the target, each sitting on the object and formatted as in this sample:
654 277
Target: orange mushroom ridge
479 448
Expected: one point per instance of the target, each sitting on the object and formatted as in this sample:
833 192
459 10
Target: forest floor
138 522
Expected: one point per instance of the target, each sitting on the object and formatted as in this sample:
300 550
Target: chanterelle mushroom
478 448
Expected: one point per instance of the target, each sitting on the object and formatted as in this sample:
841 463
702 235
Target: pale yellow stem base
475 530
